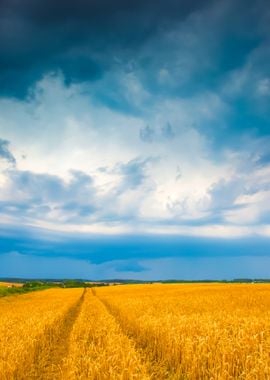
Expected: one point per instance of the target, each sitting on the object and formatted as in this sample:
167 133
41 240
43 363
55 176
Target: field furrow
197 332
53 348
29 323
98 348
157 368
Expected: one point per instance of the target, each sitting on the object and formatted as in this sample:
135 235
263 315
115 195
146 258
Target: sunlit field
10 284
206 331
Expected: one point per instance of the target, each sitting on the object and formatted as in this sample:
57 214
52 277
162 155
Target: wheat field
158 331
11 284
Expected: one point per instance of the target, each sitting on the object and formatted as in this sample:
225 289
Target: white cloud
135 183
254 208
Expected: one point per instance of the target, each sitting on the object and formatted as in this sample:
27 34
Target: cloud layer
135 118
86 167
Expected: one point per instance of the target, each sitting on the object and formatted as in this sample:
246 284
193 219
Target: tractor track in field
155 369
52 349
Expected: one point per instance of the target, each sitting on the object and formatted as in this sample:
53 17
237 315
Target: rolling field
205 331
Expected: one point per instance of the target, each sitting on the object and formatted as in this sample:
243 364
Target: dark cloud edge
100 248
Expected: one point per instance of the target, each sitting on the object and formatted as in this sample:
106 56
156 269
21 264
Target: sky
135 139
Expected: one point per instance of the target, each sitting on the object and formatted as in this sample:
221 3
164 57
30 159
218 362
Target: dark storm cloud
169 48
103 248
75 36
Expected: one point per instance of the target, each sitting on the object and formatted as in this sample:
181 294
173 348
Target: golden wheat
99 349
198 331
157 332
28 324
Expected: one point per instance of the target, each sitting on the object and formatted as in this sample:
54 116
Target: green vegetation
80 284
30 286
74 284
27 287
5 291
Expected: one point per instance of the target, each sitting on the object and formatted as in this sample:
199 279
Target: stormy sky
135 139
